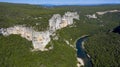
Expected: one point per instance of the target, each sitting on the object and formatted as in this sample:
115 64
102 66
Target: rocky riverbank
82 57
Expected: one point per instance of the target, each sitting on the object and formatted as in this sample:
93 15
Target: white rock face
41 39
54 22
55 37
80 62
58 22
110 11
92 16
101 13
67 42
25 32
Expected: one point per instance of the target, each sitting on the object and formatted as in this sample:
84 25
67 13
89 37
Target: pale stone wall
104 12
41 39
80 62
58 22
92 16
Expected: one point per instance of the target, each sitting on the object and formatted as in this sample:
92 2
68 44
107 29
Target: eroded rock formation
58 22
92 16
110 11
42 38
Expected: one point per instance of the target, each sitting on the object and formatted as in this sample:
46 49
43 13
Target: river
81 53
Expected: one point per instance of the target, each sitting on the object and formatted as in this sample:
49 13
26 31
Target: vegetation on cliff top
103 46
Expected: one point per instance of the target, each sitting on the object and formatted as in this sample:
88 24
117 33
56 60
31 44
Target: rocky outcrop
80 62
58 22
39 39
54 22
42 38
25 32
92 16
110 11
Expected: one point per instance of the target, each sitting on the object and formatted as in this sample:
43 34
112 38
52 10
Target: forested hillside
102 45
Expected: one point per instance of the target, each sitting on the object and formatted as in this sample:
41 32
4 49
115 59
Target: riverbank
79 38
83 58
80 60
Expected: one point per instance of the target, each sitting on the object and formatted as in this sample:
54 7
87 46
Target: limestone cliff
42 38
58 22
109 11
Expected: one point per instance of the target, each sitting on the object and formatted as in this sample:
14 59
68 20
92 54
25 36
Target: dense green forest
104 49
103 46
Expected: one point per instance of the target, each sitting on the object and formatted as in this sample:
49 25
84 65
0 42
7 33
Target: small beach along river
81 53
